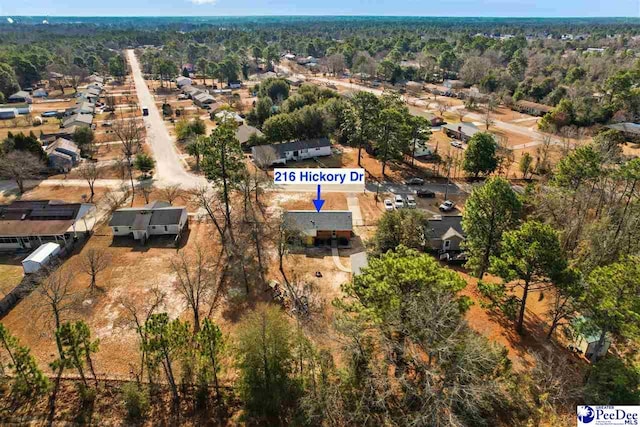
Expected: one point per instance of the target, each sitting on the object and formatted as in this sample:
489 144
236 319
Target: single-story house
20 97
85 108
222 91
27 224
66 133
63 154
94 78
453 84
88 97
156 218
203 99
444 233
631 131
294 81
94 91
462 131
41 257
420 149
40 93
191 91
98 86
267 155
20 108
229 115
8 113
183 81
533 108
320 228
85 120
434 119
244 132
306 61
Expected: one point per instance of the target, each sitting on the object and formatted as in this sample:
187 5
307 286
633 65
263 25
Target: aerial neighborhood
159 266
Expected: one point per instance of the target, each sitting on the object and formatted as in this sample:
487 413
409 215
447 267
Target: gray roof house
85 120
20 96
63 154
85 107
203 98
630 130
462 131
444 233
155 218
267 155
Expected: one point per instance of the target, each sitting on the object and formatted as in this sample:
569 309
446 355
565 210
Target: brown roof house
29 224
320 228
154 219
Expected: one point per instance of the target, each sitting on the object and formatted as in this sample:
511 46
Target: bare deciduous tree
170 193
90 173
196 280
93 262
20 166
128 132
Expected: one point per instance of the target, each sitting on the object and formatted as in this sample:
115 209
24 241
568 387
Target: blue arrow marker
318 202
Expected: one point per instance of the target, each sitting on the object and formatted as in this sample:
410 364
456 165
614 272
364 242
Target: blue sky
532 8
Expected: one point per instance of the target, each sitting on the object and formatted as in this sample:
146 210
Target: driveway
169 166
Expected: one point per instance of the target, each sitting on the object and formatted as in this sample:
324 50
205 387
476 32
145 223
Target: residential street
169 166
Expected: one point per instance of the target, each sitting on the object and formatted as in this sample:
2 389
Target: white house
267 155
8 113
40 257
154 219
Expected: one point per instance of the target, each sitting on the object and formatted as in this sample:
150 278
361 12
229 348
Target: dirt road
169 166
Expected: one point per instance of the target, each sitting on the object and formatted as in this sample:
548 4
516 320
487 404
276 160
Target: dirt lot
10 272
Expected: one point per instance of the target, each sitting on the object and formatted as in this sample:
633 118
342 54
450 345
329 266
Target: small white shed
40 257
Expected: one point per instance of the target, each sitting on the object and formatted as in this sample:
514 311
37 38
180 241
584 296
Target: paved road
169 166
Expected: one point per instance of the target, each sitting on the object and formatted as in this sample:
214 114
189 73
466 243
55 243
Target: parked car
447 206
411 202
108 109
457 144
183 96
49 114
399 202
415 181
423 192
388 205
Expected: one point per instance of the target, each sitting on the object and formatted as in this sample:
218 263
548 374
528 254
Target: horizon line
324 16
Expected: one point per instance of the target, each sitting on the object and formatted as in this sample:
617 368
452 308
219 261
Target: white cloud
200 2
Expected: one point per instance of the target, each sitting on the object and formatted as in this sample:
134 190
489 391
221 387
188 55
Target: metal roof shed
40 257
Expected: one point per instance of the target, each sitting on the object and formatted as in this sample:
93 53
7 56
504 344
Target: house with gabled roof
267 155
312 228
78 120
444 233
27 224
154 219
